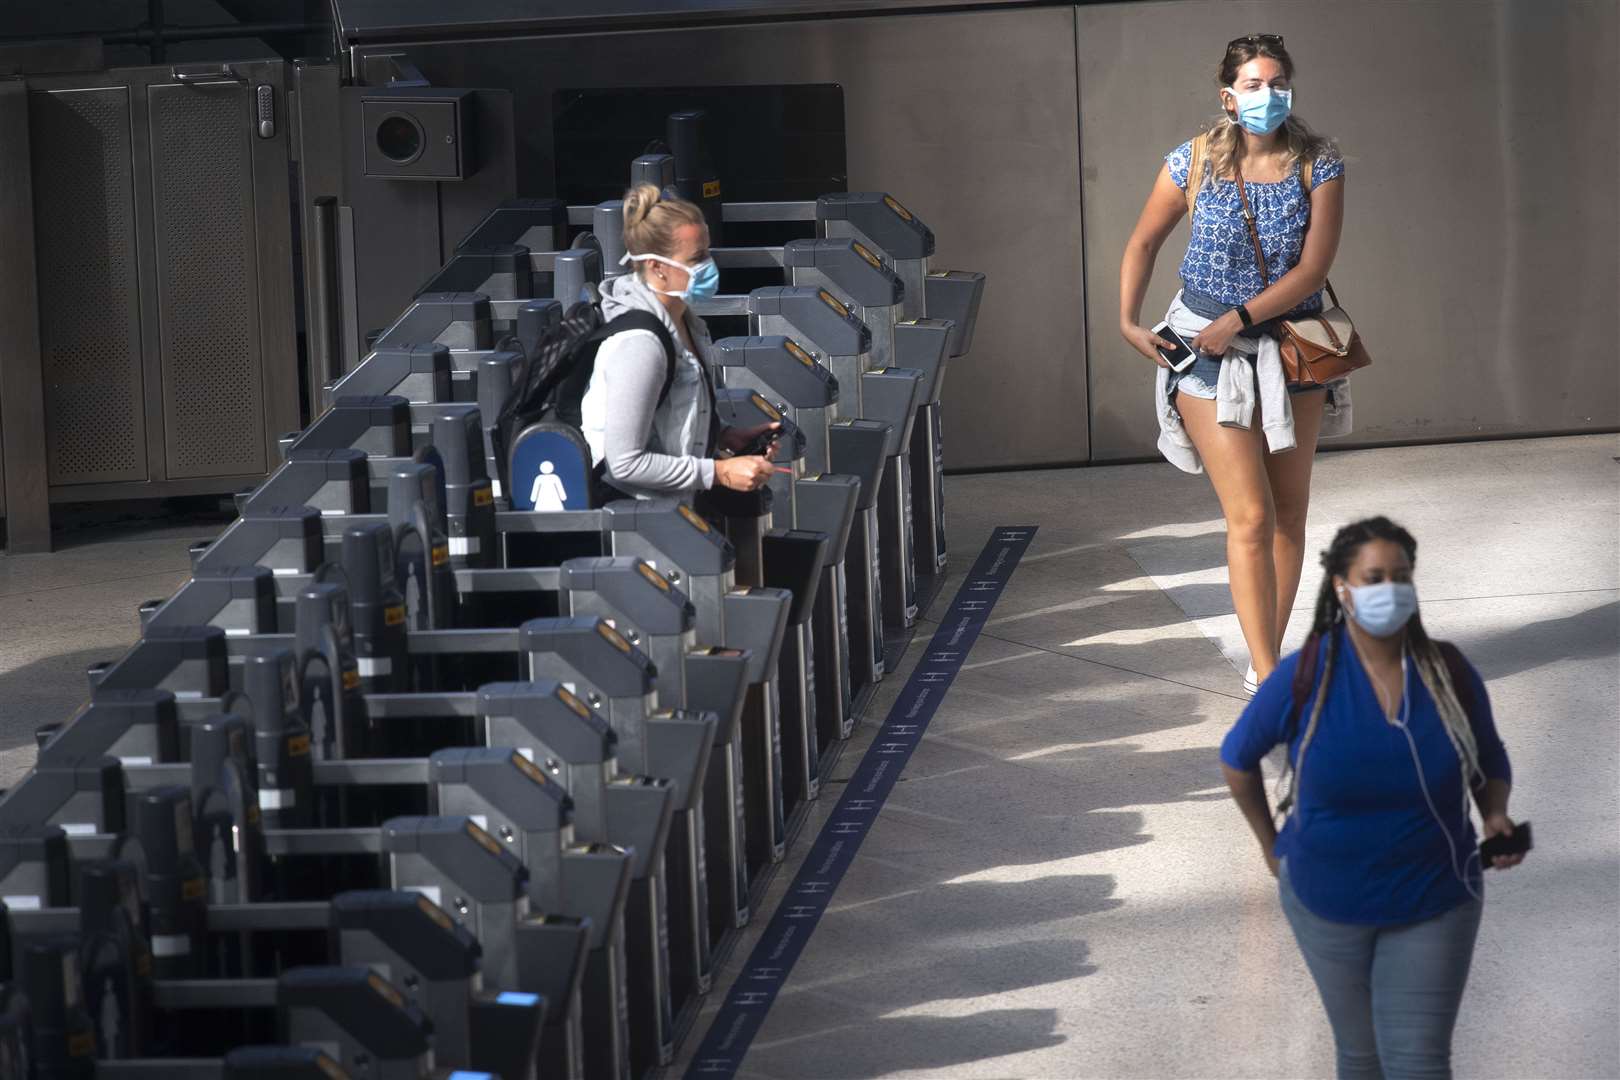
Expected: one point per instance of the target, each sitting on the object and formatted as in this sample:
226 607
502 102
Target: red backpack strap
1304 683
1461 679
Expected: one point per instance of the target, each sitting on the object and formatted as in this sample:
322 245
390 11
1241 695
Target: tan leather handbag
1316 349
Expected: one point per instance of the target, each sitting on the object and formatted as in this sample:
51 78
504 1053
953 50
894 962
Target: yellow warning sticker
298 746
692 517
386 992
435 912
833 302
571 701
652 575
351 679
799 354
711 189
486 841
528 768
614 638
193 888
253 813
483 496
861 250
393 614
888 200
330 1068
767 408
441 554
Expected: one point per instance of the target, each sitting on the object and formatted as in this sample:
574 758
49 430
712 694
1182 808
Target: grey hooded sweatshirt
650 449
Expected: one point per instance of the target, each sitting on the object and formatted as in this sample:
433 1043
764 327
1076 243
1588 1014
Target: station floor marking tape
743 1012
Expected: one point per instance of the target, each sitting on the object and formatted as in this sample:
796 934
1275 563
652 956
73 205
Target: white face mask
703 280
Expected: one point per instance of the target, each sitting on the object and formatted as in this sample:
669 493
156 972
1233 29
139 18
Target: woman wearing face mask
651 443
1294 183
1389 735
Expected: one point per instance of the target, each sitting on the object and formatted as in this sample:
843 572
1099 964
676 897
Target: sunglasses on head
1273 41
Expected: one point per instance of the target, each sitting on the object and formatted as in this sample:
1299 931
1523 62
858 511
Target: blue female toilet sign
551 469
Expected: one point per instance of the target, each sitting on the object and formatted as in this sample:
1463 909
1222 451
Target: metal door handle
222 74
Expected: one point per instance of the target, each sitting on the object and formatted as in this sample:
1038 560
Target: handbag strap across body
1260 260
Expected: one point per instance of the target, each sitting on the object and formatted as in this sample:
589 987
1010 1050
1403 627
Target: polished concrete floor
1060 886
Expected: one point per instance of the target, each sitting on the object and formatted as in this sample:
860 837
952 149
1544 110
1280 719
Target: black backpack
550 385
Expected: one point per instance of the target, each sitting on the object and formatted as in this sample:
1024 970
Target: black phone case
1506 845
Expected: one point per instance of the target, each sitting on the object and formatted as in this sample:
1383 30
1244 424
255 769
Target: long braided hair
1424 653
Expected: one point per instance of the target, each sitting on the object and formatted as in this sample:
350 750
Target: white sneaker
1251 682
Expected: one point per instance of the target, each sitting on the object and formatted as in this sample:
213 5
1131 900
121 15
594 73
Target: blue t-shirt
1220 260
1362 844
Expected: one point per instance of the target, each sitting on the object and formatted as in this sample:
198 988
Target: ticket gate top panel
413 926
899 232
851 265
582 735
538 224
463 852
377 424
633 587
826 321
599 652
675 529
783 365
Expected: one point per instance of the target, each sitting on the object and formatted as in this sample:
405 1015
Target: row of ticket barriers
411 780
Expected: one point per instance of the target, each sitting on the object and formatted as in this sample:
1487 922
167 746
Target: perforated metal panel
89 299
207 285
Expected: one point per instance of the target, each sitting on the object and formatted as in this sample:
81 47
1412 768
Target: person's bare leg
1290 476
1234 460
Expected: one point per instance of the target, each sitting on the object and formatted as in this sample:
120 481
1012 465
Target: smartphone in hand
1516 844
1182 357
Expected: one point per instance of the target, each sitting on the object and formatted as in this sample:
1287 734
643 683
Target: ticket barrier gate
880 223
905 244
856 277
586 654
403 937
211 681
790 381
824 328
511 522
265 532
643 831
450 858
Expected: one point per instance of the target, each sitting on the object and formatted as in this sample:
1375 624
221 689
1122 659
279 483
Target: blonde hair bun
650 220
638 203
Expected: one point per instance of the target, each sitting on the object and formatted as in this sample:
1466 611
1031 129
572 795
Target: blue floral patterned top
1220 260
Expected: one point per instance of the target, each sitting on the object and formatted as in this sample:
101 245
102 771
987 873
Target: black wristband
1243 313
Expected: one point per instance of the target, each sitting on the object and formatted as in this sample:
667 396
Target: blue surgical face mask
1262 111
704 278
1383 609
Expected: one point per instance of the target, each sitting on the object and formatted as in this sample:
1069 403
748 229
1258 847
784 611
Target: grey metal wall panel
208 279
89 297
970 119
1479 252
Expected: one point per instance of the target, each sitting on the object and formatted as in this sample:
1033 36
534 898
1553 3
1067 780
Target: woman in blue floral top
1261 472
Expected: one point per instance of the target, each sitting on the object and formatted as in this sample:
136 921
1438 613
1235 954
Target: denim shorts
1201 377
1204 374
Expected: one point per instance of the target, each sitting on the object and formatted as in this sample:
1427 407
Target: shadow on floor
32 695
1511 650
913 1043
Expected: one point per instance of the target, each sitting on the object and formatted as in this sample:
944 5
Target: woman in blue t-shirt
1227 313
1378 864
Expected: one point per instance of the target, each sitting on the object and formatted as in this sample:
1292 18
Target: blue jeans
1391 992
